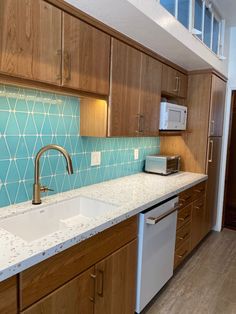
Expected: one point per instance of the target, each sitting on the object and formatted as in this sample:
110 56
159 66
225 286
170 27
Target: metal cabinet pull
211 147
179 83
212 127
141 119
100 283
92 298
176 84
67 66
181 256
155 220
199 191
59 54
185 199
184 218
183 237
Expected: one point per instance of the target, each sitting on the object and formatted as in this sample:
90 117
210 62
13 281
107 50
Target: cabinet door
198 222
217 106
30 32
116 282
214 157
77 297
174 82
8 296
125 90
150 96
86 56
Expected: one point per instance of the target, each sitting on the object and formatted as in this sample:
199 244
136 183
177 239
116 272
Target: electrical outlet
136 154
95 158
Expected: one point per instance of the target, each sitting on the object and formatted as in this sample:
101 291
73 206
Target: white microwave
173 117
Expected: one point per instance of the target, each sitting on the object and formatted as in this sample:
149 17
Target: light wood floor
206 284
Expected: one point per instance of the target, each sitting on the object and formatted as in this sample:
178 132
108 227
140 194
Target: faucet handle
44 188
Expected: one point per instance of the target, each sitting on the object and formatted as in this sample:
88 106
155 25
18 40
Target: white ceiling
227 10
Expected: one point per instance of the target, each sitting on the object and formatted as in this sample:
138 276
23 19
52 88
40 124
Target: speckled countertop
132 194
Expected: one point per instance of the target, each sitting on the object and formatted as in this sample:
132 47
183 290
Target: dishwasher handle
155 220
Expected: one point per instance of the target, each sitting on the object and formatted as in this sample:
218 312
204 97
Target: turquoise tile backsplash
30 119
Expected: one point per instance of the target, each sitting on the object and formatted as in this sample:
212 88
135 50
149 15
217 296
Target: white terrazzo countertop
132 194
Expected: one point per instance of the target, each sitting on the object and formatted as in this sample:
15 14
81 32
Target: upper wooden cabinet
174 82
150 96
86 56
134 103
30 45
218 92
8 296
124 118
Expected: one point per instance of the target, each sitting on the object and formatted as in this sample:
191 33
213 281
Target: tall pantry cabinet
200 146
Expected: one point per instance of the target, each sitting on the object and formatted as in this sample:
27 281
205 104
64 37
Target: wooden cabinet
150 96
134 102
115 248
30 45
192 221
198 222
214 159
8 296
75 297
115 282
125 90
174 82
86 56
108 287
217 106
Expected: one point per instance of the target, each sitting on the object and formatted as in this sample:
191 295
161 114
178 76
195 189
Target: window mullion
176 8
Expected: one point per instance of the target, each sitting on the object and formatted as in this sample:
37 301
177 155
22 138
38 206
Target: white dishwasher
156 247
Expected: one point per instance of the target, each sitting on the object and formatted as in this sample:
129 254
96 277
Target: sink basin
41 222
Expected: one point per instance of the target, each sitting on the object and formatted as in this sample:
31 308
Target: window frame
191 20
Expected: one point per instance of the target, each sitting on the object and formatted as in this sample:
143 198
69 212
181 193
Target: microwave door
174 119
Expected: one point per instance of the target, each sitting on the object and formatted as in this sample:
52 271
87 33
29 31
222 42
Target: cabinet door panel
115 282
214 157
74 297
169 80
150 95
125 90
174 82
86 56
30 32
198 222
8 296
217 106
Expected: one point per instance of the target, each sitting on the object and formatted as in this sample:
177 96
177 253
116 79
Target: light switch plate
95 158
136 154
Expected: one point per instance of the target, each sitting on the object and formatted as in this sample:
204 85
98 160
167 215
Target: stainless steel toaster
161 164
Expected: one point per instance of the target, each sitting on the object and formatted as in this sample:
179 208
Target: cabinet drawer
185 198
184 216
199 190
182 252
182 234
8 296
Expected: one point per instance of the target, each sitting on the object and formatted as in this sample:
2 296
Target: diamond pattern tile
30 119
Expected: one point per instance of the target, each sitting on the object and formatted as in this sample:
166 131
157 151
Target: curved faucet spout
37 187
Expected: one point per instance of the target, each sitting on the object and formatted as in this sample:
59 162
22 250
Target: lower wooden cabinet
107 287
115 282
198 221
192 221
8 296
74 297
97 275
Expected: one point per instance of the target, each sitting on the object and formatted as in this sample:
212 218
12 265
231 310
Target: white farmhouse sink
38 223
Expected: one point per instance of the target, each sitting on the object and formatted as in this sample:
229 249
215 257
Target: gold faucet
37 188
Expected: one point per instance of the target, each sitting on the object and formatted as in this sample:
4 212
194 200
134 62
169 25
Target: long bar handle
211 148
100 283
67 66
176 84
155 220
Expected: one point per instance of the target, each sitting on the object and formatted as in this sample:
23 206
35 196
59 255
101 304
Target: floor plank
206 284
